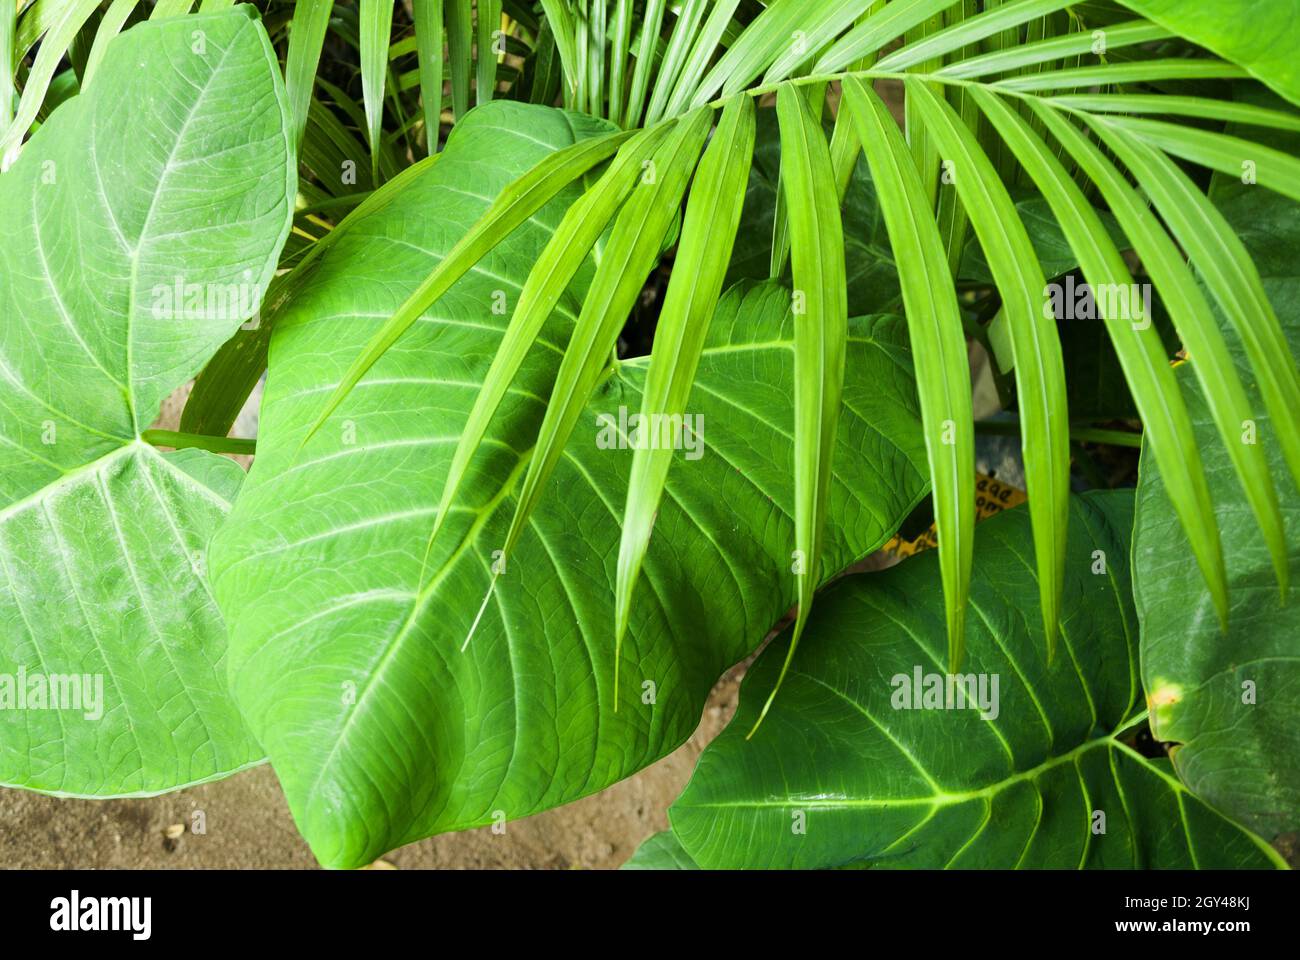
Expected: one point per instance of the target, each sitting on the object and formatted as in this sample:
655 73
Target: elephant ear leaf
855 765
346 641
136 242
1261 37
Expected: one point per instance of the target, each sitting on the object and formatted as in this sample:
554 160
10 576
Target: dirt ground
248 823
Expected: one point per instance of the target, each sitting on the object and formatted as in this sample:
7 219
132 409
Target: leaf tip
801 618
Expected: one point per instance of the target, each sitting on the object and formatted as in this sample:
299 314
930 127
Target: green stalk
171 438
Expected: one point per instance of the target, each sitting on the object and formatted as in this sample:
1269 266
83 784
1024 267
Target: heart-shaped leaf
346 647
872 757
136 241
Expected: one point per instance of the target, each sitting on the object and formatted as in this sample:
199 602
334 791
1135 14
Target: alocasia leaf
1231 702
346 649
858 765
1260 36
137 239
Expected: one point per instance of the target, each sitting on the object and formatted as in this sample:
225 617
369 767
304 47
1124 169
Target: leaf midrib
942 798
134 253
85 470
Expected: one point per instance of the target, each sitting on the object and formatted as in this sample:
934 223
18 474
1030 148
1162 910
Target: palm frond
630 254
821 316
1027 107
58 29
572 241
708 235
306 36
1078 102
939 345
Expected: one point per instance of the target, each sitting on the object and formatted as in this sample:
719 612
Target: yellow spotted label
991 496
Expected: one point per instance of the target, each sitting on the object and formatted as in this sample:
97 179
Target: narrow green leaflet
971 29
702 51
582 36
779 249
597 77
348 664
857 765
1227 702
826 21
1011 58
934 324
954 224
138 240
1243 159
1169 104
1140 71
674 57
820 307
164 9
428 41
460 43
70 18
1226 268
620 44
1142 355
633 248
568 249
8 27
110 25
1222 260
376 26
876 31
513 206
708 233
1039 368
488 32
306 38
645 59
560 16
768 34
1262 37
869 265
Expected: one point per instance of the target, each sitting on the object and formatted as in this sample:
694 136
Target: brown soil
248 823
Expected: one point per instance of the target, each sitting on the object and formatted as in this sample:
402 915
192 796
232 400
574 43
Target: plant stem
170 438
1115 438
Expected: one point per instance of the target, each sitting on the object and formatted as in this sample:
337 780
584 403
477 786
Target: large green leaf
1260 36
107 212
381 730
848 771
1231 701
